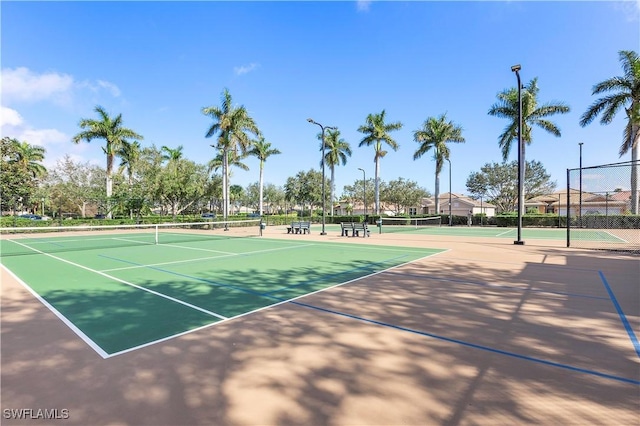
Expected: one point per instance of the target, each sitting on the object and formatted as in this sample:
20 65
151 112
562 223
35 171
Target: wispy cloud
24 85
363 5
53 141
10 117
244 69
21 84
630 8
112 88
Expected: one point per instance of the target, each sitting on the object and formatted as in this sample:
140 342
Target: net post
157 232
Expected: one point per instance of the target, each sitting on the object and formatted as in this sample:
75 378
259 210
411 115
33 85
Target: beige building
460 206
613 203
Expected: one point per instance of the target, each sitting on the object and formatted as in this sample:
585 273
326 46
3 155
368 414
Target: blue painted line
475 346
329 276
397 327
489 285
623 317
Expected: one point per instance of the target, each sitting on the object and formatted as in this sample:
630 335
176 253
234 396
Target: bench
299 228
346 227
361 227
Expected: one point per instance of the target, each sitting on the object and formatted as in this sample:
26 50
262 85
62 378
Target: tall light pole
324 212
580 195
450 217
516 69
364 192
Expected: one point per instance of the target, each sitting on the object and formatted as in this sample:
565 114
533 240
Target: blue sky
160 63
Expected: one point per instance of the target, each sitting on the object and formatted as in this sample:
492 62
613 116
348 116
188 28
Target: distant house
592 203
460 206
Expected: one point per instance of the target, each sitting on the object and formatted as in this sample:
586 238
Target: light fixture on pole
580 195
450 217
324 213
364 192
516 69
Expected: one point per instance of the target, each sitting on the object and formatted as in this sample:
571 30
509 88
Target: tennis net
400 224
53 239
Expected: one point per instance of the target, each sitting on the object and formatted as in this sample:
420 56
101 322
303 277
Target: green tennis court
600 235
123 291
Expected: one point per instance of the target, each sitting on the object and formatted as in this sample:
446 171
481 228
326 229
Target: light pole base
518 243
323 233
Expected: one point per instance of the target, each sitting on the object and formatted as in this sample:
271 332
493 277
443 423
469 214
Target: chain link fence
602 208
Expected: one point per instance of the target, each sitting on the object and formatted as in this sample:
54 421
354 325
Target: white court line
203 258
269 306
614 236
196 248
93 345
505 232
133 241
123 282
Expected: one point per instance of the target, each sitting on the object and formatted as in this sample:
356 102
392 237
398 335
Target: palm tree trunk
634 170
225 184
377 187
260 189
333 186
437 191
109 184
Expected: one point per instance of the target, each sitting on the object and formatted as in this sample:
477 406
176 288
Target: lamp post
42 199
364 192
450 217
516 69
324 213
580 195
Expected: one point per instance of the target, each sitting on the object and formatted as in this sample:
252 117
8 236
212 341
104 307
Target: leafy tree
376 132
403 194
73 186
184 189
305 188
232 125
16 183
273 197
532 114
111 130
498 183
436 133
236 194
336 151
150 168
262 150
360 192
624 92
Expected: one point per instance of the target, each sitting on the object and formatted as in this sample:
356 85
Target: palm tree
129 155
233 160
171 154
626 94
110 129
377 131
336 152
28 158
231 123
435 133
262 150
532 114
